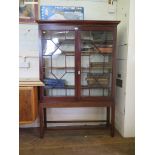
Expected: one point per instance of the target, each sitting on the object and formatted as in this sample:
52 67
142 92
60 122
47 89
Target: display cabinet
77 66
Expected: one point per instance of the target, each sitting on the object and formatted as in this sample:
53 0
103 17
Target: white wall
122 49
28 50
125 67
94 10
129 122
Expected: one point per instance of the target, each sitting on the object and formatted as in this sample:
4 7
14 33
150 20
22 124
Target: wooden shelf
65 40
59 67
107 42
82 68
94 86
65 87
73 87
86 53
68 53
97 67
68 41
83 53
30 82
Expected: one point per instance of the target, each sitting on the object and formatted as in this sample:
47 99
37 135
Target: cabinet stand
110 113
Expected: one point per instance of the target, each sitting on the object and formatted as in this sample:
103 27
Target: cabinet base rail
77 127
77 121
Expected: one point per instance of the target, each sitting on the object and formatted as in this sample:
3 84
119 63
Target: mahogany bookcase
77 66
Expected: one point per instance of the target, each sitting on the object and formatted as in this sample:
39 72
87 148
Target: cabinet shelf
94 86
73 87
65 87
86 53
68 41
83 53
82 68
61 41
96 68
107 42
59 68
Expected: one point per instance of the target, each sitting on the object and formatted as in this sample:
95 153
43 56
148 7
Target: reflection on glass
96 63
51 47
59 63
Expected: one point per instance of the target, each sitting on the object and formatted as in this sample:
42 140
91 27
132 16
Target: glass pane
96 63
59 63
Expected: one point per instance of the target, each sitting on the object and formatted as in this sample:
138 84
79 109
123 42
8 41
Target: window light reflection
51 47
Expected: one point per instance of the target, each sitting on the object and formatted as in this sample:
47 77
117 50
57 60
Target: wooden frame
28 11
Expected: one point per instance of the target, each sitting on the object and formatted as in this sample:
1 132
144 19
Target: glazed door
96 63
58 57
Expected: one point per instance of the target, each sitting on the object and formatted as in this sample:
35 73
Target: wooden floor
74 142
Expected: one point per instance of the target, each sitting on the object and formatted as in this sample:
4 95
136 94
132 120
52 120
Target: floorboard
74 142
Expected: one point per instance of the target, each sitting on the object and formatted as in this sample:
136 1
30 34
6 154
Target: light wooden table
28 100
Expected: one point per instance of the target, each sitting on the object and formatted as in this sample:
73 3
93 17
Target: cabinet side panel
25 104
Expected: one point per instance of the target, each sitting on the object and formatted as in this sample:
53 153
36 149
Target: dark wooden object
78 100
